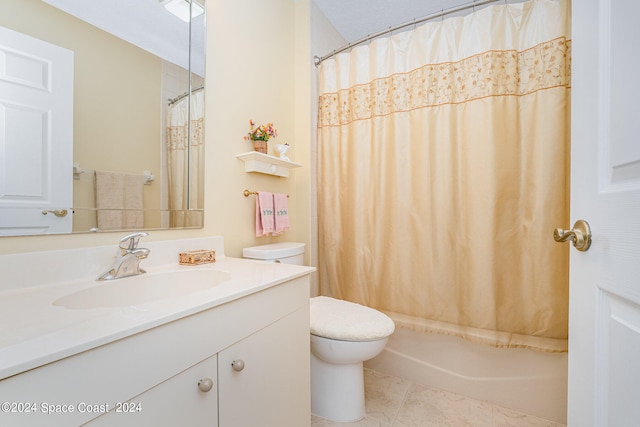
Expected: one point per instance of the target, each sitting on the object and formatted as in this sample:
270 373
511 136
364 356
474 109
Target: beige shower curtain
443 168
185 162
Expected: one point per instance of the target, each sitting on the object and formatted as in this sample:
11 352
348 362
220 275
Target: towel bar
248 193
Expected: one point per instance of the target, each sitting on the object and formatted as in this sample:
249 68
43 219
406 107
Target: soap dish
197 257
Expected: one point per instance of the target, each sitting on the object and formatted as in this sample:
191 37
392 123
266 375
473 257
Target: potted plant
259 135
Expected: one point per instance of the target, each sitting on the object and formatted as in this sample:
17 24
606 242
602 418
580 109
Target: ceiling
144 23
353 19
356 19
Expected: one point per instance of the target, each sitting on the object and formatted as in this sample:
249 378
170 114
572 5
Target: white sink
143 288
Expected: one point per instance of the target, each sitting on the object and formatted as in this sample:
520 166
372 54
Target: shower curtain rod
179 97
318 60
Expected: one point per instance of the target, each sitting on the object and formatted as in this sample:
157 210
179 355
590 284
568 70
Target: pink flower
261 133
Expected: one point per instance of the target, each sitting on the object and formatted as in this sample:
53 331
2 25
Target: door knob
580 235
58 212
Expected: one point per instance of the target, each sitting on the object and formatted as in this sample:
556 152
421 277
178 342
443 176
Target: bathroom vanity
232 354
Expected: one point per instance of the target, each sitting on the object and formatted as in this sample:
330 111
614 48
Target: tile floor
395 402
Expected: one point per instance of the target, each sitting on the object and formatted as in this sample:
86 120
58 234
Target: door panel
604 301
621 351
36 129
619 24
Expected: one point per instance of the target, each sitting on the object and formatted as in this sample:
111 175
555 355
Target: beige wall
323 38
251 74
258 61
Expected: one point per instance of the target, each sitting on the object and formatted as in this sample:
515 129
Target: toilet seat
347 321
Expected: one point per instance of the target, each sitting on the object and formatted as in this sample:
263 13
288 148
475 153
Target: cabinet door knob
205 384
237 365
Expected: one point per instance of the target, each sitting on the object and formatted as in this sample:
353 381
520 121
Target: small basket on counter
197 257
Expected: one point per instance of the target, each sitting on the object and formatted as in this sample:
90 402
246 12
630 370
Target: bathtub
529 381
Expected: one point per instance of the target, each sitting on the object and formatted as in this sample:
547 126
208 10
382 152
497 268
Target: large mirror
101 115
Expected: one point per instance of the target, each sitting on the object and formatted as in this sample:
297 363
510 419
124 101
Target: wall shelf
264 163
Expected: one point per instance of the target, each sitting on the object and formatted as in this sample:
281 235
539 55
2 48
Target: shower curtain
185 162
443 168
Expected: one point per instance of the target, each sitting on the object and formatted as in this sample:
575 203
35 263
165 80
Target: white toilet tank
286 253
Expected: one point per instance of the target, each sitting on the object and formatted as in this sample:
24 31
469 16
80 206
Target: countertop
35 332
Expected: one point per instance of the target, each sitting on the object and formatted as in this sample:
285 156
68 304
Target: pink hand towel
281 207
264 214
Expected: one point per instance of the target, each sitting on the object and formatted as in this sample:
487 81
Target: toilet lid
348 321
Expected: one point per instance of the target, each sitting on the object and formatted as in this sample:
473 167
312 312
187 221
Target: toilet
343 335
286 253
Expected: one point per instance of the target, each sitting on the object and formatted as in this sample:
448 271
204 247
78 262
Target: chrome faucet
128 259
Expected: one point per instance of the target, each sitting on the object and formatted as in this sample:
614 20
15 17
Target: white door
604 307
36 136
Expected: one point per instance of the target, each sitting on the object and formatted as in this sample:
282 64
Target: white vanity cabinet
172 402
263 380
151 377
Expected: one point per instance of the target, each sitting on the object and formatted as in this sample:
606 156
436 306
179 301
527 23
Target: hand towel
281 208
119 200
133 209
264 214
